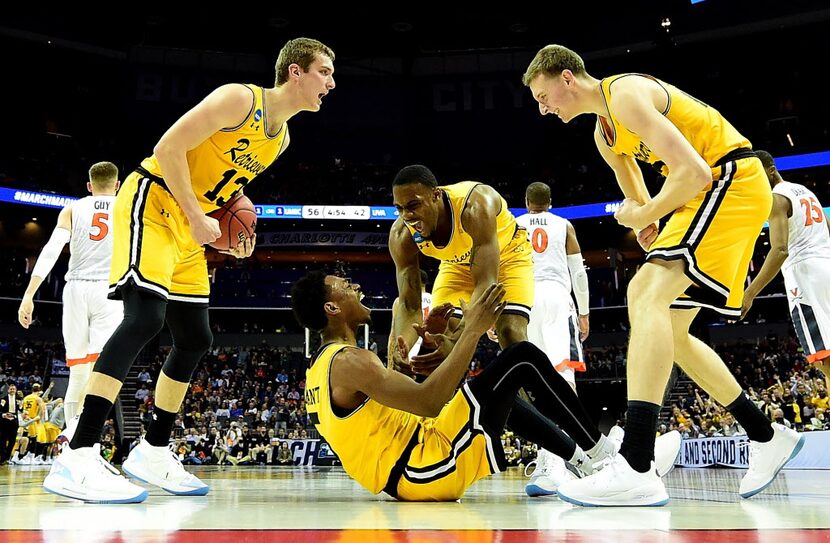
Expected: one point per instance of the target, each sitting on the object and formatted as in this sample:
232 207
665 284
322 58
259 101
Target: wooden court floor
250 504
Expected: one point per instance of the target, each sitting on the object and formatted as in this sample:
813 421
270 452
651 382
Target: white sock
602 444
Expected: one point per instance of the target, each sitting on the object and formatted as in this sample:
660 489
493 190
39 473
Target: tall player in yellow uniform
468 227
159 268
719 196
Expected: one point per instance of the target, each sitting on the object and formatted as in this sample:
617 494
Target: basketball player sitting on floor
426 441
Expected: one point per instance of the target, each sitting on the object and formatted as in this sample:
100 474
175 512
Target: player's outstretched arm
408 274
359 371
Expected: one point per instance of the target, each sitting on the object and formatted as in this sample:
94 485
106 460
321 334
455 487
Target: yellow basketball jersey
228 160
31 405
457 250
370 439
703 126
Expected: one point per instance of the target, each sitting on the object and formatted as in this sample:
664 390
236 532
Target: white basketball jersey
808 235
548 233
426 303
90 244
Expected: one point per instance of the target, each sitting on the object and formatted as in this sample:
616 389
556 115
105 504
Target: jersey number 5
813 211
98 221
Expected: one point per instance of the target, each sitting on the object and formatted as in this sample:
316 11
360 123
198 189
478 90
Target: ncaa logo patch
258 115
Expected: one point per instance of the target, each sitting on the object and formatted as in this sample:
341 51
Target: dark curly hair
308 295
416 173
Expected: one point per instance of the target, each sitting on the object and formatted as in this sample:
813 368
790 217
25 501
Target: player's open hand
436 323
400 358
243 249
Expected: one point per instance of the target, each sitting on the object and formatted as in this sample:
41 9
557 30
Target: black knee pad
143 319
192 338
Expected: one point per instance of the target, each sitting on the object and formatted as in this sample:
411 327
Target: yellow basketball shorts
51 431
715 234
37 431
152 247
455 281
453 451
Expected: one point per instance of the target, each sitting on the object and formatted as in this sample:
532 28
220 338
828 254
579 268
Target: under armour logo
794 292
165 213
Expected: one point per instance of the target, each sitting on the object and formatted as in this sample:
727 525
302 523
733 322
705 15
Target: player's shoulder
355 356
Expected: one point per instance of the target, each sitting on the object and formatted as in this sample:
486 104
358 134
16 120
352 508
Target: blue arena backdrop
382 213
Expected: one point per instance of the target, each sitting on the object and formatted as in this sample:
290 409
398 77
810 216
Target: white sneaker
616 434
666 449
549 474
161 467
767 459
27 460
82 474
14 459
607 447
616 484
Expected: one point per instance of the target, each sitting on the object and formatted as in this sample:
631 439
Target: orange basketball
237 221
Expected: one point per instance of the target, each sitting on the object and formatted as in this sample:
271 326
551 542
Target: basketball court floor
322 505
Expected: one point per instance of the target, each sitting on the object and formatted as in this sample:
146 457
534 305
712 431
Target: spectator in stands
778 416
284 456
141 394
144 377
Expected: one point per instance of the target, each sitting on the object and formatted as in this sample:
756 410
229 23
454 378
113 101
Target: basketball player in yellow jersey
415 441
718 197
159 268
34 415
468 227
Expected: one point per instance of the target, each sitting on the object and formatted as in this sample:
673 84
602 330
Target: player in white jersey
799 232
554 326
89 318
557 269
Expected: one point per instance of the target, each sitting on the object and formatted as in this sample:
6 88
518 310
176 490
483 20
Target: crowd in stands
246 404
777 378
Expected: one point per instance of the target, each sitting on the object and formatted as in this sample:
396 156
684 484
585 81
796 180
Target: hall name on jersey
538 221
246 161
102 204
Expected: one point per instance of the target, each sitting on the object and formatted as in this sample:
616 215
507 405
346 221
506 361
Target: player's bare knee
511 329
